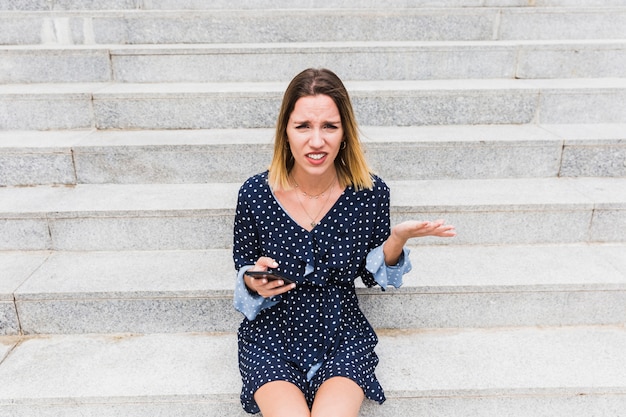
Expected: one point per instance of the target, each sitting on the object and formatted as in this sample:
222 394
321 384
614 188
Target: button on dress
317 330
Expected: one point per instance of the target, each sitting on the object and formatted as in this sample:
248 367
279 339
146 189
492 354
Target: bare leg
281 399
338 397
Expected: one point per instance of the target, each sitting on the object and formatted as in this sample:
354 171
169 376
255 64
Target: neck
313 186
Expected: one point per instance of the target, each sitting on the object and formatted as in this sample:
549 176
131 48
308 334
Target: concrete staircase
128 125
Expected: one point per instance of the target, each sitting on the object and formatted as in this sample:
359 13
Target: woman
319 217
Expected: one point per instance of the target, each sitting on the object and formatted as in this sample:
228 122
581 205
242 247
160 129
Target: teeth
316 156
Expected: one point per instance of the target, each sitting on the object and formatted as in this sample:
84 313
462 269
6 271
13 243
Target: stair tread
162 367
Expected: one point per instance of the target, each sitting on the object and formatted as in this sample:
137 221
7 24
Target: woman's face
315 133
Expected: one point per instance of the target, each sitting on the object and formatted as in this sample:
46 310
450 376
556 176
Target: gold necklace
329 190
304 193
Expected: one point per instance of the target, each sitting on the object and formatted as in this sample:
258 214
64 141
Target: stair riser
274 64
589 161
277 4
41 5
397 310
303 26
212 230
55 66
36 168
46 113
391 161
234 163
505 309
243 27
142 315
9 324
191 291
24 234
213 111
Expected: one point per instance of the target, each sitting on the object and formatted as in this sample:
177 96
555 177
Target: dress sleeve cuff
384 274
249 304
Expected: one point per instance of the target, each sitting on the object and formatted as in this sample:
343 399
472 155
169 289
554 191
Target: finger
421 225
276 290
256 284
444 226
265 262
284 288
272 285
448 231
431 227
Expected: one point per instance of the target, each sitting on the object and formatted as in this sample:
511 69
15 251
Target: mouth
316 156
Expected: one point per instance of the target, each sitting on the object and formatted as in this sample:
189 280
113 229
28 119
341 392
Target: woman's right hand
263 286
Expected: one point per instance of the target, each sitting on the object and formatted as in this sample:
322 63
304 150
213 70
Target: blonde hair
350 163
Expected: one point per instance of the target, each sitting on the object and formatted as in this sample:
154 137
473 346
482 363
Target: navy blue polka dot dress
317 330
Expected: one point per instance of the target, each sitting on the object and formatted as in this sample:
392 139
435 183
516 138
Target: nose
317 138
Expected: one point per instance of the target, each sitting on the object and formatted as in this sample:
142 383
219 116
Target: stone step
230 155
279 62
311 25
520 372
255 105
45 5
200 216
191 291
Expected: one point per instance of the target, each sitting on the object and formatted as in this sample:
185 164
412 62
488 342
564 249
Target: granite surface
542 371
449 286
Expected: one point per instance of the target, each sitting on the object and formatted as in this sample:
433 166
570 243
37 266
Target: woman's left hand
410 229
404 231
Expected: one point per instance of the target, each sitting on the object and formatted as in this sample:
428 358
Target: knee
281 399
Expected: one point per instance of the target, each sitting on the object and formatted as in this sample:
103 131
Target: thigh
338 396
281 399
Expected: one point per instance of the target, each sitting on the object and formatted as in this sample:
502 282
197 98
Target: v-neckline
322 219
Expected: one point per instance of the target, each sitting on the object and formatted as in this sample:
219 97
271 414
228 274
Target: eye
302 126
330 127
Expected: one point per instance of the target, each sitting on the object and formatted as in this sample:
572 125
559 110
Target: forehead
315 107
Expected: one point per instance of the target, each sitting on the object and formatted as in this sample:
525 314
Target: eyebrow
297 122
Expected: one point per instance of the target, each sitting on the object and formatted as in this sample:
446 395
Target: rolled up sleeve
384 274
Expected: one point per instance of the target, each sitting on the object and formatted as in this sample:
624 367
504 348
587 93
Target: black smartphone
269 275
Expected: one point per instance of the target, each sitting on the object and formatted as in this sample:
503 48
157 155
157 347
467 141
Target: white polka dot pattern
317 330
